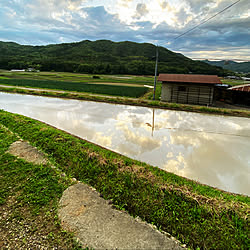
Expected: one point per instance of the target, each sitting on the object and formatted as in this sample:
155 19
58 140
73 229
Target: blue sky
41 22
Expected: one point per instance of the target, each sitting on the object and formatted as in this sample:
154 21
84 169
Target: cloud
101 139
165 5
141 10
141 144
182 17
218 171
125 3
159 21
201 6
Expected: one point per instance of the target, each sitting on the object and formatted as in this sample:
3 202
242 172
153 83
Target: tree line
101 57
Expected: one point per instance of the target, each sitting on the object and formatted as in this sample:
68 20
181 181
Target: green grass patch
150 94
127 91
29 197
198 215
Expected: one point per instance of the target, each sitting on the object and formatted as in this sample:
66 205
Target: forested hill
231 65
103 57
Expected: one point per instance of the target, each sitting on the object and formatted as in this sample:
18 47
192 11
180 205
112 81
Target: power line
205 21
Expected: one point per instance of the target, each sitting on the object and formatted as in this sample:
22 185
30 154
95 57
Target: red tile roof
189 78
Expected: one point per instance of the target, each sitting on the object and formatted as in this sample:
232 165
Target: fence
232 96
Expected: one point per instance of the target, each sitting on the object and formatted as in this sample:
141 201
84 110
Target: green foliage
157 93
100 57
6 138
175 204
128 91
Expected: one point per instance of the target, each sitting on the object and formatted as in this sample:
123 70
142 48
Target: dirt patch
24 150
20 229
118 84
141 172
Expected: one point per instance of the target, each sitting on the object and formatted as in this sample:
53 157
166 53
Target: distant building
17 70
244 87
233 77
188 88
246 78
25 70
30 69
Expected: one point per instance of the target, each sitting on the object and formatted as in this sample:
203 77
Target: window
182 88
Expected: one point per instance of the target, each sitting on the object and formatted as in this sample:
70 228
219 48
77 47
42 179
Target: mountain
100 57
231 65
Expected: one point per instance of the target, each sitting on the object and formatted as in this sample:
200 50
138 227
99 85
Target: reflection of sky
211 149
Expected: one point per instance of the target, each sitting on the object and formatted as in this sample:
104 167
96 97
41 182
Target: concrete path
97 225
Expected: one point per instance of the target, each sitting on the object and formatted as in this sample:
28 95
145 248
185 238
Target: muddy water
213 150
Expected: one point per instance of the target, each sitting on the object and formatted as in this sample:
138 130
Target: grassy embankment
29 196
197 215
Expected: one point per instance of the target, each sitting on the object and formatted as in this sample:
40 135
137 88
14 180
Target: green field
234 82
84 78
127 91
198 215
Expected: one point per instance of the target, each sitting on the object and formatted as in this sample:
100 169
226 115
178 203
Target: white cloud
53 21
141 10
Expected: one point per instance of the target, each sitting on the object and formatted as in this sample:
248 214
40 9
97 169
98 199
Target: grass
198 215
29 196
127 91
149 95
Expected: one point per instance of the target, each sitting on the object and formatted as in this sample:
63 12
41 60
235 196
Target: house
244 87
188 88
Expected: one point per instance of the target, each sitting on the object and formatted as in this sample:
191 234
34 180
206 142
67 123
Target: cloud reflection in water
211 149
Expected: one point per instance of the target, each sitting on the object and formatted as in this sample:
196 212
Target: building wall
187 93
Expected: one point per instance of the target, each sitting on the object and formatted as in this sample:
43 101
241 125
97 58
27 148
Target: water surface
213 150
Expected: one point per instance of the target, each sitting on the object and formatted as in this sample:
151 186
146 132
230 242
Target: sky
42 22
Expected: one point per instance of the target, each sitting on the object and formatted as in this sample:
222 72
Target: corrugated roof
189 78
245 87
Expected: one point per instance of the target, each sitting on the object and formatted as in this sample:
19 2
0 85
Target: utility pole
156 66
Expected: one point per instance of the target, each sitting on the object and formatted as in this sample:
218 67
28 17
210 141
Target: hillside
231 65
100 57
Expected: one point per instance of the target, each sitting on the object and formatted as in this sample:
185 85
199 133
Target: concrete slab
98 225
24 150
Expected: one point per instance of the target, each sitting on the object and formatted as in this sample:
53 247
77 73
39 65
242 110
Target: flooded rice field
213 150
